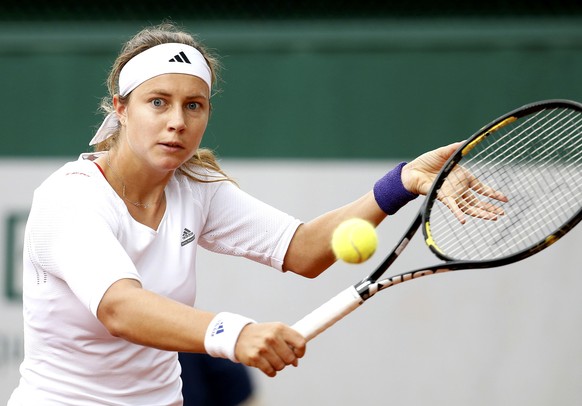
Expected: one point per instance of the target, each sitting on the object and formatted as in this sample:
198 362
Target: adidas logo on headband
181 57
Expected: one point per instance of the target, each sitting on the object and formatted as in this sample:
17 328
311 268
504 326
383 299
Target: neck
128 193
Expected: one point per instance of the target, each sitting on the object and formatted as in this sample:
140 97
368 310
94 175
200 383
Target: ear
120 109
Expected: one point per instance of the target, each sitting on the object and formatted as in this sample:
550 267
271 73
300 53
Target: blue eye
157 102
193 105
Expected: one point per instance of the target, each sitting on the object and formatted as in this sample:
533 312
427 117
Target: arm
142 317
109 285
309 253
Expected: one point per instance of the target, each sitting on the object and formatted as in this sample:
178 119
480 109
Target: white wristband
222 334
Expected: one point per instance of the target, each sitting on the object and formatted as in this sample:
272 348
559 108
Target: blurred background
318 100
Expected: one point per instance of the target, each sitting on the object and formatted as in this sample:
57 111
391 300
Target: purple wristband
390 193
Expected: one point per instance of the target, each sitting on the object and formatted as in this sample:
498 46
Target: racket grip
328 313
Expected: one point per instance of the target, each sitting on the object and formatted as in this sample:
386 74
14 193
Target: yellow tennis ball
354 241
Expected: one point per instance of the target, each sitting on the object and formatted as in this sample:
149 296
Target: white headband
155 61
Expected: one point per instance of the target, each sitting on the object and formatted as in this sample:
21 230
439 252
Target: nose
176 121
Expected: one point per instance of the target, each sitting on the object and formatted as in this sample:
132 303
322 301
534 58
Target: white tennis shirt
80 238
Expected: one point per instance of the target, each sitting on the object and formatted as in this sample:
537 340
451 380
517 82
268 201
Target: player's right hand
269 347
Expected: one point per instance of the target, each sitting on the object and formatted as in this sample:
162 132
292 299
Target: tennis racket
511 190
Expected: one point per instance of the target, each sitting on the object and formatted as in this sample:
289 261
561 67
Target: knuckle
270 339
289 358
256 357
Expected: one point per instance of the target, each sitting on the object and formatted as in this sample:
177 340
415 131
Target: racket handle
328 313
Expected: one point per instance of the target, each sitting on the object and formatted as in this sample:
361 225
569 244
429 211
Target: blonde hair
204 160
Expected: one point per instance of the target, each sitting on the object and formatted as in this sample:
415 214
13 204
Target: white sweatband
155 61
222 334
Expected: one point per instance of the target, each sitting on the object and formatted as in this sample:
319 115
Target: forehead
175 84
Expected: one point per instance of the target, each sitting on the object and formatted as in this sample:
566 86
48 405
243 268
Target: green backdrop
375 88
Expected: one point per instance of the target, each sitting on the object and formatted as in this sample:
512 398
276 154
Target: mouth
174 146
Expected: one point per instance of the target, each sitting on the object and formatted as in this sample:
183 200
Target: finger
488 191
490 207
278 358
267 369
287 353
489 210
278 353
469 205
299 352
268 362
474 208
451 203
460 179
296 342
295 347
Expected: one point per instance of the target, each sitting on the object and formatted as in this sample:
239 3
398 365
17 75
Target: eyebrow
167 94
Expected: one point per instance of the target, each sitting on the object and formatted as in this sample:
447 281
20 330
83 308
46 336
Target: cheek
149 122
139 123
198 128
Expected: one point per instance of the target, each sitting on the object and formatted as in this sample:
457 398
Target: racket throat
368 288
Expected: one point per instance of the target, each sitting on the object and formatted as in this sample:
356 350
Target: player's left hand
459 190
419 174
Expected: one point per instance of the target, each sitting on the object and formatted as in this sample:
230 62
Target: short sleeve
241 225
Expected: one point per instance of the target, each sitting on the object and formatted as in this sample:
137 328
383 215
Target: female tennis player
111 240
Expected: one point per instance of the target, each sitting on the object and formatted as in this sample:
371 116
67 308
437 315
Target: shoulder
78 172
77 182
201 179
200 174
202 187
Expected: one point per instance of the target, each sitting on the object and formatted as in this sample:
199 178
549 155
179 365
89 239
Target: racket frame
370 285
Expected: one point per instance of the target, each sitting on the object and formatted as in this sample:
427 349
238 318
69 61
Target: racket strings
508 138
536 162
543 219
544 188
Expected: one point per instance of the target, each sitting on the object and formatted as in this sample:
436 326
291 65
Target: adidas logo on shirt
187 237
181 57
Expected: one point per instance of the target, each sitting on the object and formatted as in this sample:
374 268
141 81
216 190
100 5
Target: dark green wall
367 89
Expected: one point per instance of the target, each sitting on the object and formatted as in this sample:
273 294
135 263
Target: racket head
533 155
